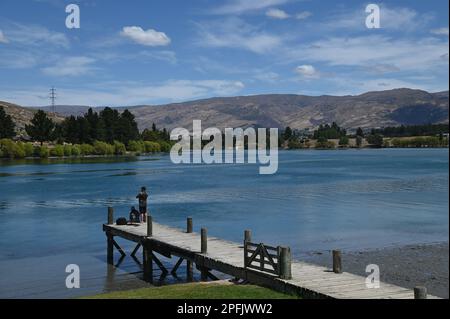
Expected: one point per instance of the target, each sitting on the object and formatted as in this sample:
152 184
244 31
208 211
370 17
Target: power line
53 99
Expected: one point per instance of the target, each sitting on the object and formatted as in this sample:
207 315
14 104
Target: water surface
51 211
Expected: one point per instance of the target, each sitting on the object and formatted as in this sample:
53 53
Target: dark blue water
51 212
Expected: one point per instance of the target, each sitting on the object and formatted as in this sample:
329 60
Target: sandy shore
406 266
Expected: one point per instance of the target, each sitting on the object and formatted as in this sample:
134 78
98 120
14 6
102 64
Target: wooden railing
272 260
262 257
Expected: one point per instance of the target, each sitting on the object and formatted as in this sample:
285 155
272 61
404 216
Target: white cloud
17 59
392 18
307 71
3 38
144 56
277 14
148 37
33 35
367 51
235 33
243 6
269 77
126 93
303 15
70 66
440 31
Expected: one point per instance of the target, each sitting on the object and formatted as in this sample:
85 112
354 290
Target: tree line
107 132
413 130
108 125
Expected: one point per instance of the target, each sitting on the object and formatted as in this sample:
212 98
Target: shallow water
51 212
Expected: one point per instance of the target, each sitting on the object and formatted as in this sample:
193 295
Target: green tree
70 130
7 126
41 127
375 140
96 128
359 132
343 141
126 128
359 141
110 119
287 133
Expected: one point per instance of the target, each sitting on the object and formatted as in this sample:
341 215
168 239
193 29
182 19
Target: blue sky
153 52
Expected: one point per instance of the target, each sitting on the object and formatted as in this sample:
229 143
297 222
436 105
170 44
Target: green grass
197 291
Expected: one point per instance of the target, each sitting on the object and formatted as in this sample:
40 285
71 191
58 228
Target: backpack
121 221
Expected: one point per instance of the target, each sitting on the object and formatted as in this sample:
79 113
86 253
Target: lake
51 211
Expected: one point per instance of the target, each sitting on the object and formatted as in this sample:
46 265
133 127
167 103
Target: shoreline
406 266
136 155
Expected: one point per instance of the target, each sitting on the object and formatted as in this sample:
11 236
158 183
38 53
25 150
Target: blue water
51 212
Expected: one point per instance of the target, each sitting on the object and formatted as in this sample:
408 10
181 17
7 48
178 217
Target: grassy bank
212 290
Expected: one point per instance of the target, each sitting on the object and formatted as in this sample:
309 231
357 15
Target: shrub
76 150
152 147
102 148
375 140
343 141
418 142
11 149
325 144
41 151
7 146
119 148
57 151
19 150
86 149
29 149
67 150
359 141
136 146
165 146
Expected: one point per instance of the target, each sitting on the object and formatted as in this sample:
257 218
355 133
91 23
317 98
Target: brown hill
369 110
22 115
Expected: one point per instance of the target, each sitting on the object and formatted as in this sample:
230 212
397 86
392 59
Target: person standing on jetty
142 197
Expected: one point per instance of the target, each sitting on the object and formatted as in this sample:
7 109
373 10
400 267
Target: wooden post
204 274
149 226
337 262
110 215
247 236
189 225
420 292
204 241
147 263
109 249
285 263
189 270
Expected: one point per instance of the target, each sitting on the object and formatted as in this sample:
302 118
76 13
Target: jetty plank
228 257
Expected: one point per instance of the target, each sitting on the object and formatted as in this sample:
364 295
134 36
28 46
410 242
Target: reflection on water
51 211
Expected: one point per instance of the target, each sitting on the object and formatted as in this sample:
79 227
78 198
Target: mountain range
369 110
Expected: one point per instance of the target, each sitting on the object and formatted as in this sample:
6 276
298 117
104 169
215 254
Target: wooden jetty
255 263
